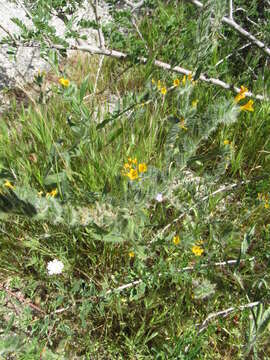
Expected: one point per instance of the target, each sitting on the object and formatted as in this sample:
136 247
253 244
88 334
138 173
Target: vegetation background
149 184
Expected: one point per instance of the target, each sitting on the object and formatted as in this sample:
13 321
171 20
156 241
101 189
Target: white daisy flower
55 267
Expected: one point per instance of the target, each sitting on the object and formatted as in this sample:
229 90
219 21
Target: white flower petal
55 267
159 197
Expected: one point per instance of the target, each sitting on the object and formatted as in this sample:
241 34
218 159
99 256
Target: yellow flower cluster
182 124
162 88
242 94
184 80
176 82
248 106
132 169
176 240
52 193
265 199
226 142
197 250
64 82
8 185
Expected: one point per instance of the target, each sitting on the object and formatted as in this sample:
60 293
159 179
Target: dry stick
222 189
24 8
9 34
248 19
120 55
239 29
22 299
133 21
134 6
187 268
226 312
231 9
101 41
231 54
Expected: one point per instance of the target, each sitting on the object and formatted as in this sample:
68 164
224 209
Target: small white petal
159 197
55 267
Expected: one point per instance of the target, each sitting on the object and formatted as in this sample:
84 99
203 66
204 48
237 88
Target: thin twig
248 19
239 29
7 32
24 8
231 9
120 55
187 268
134 23
101 42
231 54
225 313
134 6
22 299
222 189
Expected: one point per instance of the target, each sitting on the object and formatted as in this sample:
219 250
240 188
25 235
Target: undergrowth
141 189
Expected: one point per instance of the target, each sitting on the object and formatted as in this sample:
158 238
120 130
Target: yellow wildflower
142 167
131 254
53 193
194 103
127 166
241 95
133 174
184 80
197 250
226 142
163 90
64 82
176 240
9 185
134 161
266 205
248 106
153 81
176 82
182 125
190 76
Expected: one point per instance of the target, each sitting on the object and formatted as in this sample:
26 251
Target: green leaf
83 88
55 178
114 135
245 244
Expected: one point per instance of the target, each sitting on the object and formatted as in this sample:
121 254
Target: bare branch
225 313
239 29
120 55
222 189
231 54
21 299
19 2
7 32
134 6
231 9
187 268
101 42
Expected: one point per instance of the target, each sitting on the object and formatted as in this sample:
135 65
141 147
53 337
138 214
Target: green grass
98 217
